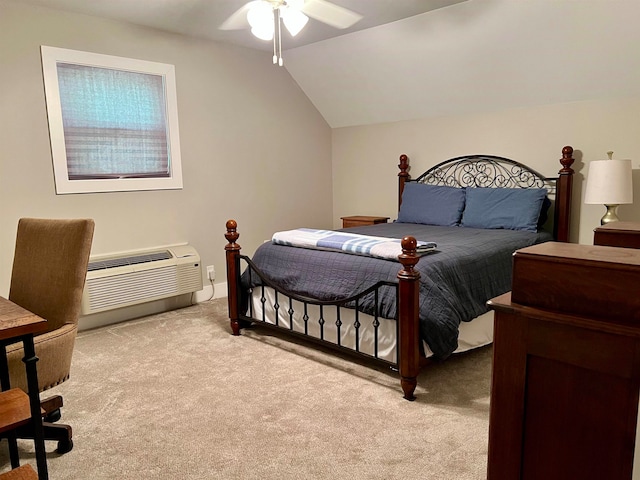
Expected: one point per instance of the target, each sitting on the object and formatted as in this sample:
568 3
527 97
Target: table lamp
610 183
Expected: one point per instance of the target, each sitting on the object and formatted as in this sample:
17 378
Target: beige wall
250 142
365 158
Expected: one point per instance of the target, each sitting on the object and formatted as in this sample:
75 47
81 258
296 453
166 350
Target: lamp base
610 216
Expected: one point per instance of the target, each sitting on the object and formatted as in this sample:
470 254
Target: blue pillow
431 204
508 208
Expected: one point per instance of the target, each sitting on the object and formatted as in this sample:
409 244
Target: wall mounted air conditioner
130 278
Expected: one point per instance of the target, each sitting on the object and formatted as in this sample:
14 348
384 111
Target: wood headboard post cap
567 160
404 165
403 176
232 235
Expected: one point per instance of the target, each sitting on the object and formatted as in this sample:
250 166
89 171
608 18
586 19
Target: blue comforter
469 267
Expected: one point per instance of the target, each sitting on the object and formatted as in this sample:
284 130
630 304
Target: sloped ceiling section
479 55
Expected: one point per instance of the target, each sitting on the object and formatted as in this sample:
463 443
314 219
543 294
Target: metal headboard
485 171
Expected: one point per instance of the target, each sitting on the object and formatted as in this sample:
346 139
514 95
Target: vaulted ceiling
202 18
409 59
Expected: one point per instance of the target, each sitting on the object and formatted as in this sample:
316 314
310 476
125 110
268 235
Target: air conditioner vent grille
131 260
122 280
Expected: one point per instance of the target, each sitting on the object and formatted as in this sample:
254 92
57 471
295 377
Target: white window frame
51 56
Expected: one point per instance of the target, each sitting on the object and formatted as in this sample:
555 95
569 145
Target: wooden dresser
566 367
618 234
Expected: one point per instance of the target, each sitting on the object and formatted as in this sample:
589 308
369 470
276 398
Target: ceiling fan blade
330 13
238 19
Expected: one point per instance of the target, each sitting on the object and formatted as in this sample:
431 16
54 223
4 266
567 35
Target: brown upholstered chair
48 276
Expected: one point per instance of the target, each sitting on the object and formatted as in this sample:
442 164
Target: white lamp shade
609 182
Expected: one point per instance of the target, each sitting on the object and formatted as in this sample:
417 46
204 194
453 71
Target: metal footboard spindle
406 327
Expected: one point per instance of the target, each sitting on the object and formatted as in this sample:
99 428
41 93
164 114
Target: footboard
310 314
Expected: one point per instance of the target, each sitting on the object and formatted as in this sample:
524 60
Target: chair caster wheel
64 446
53 417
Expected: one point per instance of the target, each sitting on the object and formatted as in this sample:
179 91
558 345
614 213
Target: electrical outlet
211 273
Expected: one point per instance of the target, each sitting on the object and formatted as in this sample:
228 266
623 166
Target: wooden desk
618 234
18 324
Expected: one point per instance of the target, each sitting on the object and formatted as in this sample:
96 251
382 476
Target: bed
414 288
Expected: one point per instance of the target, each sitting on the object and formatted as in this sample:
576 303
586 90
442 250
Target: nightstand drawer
361 221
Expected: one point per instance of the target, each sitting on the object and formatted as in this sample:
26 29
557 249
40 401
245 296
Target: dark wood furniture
566 366
18 409
618 234
362 220
467 171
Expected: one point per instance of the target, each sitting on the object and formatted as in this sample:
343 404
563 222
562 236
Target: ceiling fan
265 17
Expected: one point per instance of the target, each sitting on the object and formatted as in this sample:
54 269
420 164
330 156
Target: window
113 122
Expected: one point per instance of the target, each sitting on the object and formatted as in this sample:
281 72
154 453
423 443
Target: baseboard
209 292
101 319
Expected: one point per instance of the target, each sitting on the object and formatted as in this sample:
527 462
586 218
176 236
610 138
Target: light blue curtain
114 122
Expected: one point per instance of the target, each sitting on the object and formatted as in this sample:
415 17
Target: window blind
114 122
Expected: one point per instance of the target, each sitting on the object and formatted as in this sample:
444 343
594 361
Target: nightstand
618 234
361 221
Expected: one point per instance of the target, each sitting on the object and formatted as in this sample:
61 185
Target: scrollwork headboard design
485 171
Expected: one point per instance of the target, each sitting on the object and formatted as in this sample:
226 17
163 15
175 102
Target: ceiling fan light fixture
263 33
294 20
260 17
266 18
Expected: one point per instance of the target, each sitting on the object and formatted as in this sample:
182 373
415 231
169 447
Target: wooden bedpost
233 266
408 313
403 176
564 189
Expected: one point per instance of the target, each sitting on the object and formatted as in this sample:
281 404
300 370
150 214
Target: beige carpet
175 396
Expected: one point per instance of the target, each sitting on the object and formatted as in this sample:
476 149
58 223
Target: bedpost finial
567 159
409 244
404 165
232 235
409 257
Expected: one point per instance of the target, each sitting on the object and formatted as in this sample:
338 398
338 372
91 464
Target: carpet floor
175 396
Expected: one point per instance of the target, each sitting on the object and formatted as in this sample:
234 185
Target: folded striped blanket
380 247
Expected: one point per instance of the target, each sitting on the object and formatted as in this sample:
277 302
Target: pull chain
276 18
